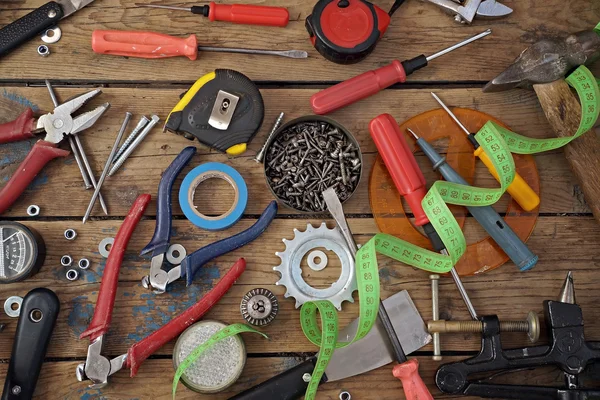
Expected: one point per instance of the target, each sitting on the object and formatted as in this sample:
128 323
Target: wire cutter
57 125
159 244
97 368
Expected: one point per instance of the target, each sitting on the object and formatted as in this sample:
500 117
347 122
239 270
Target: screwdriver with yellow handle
520 191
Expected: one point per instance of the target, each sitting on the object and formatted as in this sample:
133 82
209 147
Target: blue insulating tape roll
202 173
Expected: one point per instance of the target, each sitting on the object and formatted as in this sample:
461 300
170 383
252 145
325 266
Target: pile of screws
306 158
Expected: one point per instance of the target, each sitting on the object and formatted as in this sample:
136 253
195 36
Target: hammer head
548 60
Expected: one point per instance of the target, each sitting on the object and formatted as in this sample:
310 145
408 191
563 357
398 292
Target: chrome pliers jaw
465 11
159 278
61 122
98 368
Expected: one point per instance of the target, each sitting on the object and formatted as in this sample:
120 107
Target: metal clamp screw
70 234
72 275
66 260
306 377
531 326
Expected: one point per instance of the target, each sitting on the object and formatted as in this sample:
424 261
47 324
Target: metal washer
179 249
103 246
8 306
314 265
52 35
259 307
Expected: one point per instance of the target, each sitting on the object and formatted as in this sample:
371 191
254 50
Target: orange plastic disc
433 125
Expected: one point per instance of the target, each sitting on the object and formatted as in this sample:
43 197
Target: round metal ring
52 35
176 249
322 260
72 275
70 234
66 260
33 210
43 50
103 246
13 313
84 263
36 315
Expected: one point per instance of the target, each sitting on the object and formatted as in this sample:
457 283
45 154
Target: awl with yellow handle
223 110
519 190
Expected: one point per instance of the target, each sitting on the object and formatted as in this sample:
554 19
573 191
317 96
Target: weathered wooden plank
61 179
562 244
154 381
417 28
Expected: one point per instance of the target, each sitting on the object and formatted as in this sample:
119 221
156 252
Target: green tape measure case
223 110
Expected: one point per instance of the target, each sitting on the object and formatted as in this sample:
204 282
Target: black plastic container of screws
308 155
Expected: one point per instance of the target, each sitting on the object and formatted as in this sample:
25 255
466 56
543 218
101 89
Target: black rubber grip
414 64
29 26
39 311
434 238
288 385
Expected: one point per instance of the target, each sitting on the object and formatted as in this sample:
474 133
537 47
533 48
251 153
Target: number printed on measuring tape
498 143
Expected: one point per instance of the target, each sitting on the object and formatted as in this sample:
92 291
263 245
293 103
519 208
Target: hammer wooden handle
564 114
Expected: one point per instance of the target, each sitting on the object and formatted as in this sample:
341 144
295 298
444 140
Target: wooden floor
566 236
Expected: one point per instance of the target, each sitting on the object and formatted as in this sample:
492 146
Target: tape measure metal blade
238 99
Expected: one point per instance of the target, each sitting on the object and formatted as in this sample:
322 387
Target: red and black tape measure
346 31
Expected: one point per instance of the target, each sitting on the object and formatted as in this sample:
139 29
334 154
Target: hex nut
344 395
33 210
84 263
70 234
43 50
66 260
72 275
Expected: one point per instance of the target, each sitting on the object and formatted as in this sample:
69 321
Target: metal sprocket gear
291 271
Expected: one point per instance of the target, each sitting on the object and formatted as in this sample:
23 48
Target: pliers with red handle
97 368
57 125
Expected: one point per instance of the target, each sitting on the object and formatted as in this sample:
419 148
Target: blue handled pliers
160 278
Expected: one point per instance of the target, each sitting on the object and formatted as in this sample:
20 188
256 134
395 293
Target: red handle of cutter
19 129
146 347
412 383
357 88
110 278
249 14
143 44
41 153
400 163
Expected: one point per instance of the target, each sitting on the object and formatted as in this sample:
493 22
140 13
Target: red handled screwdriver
410 182
371 82
237 13
157 45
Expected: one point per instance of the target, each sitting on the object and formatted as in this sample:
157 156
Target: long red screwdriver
372 82
410 182
237 13
157 45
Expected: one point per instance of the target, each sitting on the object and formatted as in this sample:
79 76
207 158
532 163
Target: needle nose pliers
57 124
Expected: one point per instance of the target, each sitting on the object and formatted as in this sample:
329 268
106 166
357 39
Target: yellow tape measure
498 143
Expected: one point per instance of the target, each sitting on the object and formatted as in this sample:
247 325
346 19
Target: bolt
435 307
143 121
16 390
119 161
531 326
306 377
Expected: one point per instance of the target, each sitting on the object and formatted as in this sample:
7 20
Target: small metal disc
259 307
317 266
8 306
176 253
103 246
219 367
52 35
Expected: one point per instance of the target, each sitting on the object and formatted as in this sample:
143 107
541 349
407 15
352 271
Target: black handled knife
34 23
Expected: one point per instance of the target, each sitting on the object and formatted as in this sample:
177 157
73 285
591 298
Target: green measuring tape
498 143
231 330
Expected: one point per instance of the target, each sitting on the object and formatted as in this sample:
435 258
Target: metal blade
374 350
70 6
491 8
